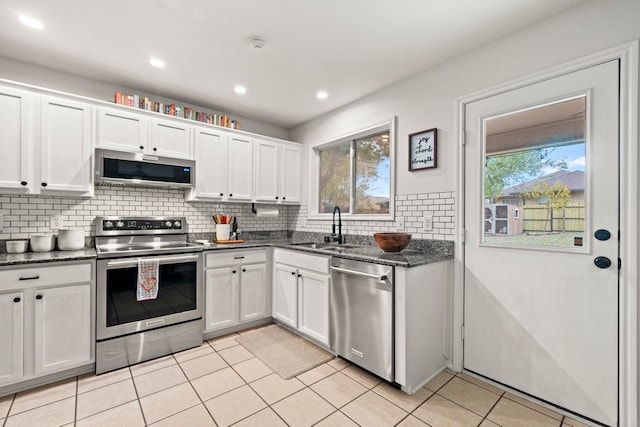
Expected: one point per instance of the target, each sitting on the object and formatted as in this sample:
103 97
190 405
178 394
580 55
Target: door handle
602 262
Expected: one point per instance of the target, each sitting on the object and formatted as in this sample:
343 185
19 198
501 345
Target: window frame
388 125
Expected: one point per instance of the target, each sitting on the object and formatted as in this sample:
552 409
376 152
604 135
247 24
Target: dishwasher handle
381 278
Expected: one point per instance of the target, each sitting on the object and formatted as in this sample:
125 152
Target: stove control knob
108 224
177 224
168 224
119 224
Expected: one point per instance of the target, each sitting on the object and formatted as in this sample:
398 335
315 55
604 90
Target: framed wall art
423 147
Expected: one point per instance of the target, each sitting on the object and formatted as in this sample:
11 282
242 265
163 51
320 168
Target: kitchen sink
326 246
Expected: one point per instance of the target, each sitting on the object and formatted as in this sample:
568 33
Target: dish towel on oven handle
147 279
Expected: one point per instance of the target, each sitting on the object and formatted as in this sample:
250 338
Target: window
355 174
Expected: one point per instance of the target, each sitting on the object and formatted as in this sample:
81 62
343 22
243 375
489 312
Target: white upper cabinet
240 169
122 130
266 179
278 172
138 133
66 146
16 123
47 144
290 173
171 139
211 151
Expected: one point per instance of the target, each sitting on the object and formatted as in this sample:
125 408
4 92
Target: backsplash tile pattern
411 207
26 214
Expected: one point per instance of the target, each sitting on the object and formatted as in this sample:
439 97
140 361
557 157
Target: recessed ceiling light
159 63
30 22
240 89
322 94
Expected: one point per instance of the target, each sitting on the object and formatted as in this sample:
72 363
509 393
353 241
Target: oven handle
161 260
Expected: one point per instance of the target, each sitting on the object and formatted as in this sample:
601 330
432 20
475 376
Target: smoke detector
257 44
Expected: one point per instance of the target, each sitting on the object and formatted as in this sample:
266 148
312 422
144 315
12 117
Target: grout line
144 418
75 407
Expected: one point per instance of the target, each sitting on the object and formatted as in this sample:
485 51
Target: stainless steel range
132 329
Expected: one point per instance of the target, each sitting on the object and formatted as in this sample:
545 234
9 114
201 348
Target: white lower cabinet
46 320
301 293
11 336
236 288
62 327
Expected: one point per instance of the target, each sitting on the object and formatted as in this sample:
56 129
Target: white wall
30 74
428 99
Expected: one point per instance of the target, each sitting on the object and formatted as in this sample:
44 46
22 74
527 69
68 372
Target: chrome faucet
337 238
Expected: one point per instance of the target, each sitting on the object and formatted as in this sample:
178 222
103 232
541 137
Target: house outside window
355 173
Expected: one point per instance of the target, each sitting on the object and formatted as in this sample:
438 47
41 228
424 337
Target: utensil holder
223 231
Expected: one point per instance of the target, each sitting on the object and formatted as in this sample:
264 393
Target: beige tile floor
222 384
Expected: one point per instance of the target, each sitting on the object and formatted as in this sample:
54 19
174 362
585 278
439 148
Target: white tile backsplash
25 214
411 207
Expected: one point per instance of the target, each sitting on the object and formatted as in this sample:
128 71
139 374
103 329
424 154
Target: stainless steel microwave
143 170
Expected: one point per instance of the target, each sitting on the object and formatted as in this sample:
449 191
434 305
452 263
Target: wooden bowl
392 242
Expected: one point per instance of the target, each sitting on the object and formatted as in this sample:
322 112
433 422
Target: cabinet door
16 122
62 328
122 130
11 336
291 174
313 317
266 179
285 295
221 298
253 292
240 169
170 139
66 146
211 147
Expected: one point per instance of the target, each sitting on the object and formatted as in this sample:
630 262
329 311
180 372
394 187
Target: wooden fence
543 218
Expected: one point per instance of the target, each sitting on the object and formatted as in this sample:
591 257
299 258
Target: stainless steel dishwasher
361 322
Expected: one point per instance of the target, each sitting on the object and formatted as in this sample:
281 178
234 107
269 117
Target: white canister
17 246
42 242
70 240
223 231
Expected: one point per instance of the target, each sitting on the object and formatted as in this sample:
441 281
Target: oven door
179 295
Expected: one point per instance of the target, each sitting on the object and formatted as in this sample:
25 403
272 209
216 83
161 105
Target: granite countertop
40 257
359 252
368 253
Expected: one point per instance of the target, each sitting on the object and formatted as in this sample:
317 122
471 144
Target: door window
535 176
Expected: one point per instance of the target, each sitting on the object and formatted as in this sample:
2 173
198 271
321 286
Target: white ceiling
349 48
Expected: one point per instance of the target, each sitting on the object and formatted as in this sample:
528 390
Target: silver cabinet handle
134 262
381 278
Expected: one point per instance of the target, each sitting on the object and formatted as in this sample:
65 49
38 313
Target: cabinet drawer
227 258
307 261
31 277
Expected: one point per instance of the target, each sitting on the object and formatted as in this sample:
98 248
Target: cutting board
227 241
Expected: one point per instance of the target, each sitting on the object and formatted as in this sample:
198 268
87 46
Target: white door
253 292
266 173
211 164
240 169
171 139
66 146
15 128
285 295
62 332
314 305
221 301
11 336
541 303
291 174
